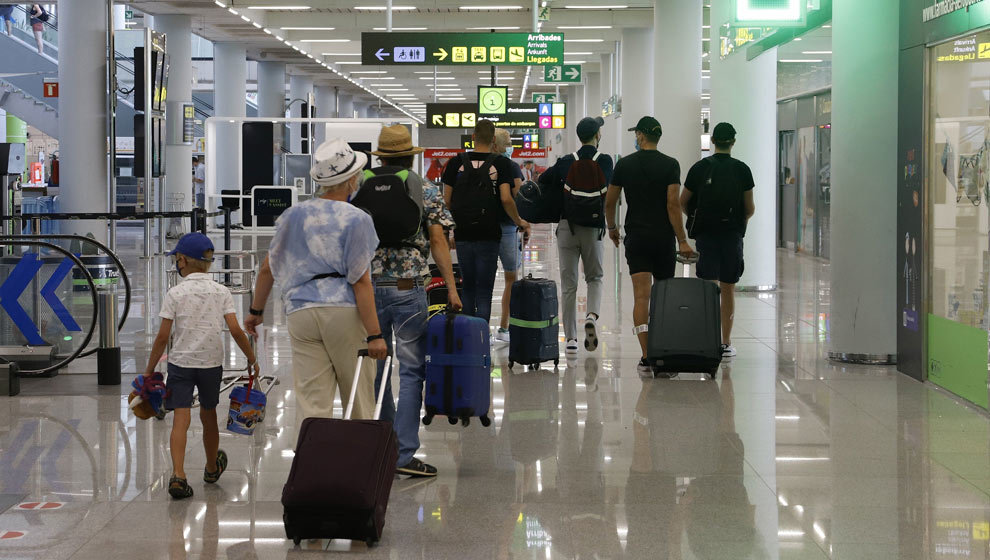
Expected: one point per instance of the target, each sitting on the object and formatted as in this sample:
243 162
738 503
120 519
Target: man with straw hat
398 270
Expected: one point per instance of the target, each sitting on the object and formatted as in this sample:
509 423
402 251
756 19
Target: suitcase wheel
486 421
511 364
452 420
712 373
556 362
465 421
370 542
296 541
427 419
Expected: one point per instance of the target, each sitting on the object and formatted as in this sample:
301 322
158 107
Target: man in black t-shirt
478 244
718 198
654 223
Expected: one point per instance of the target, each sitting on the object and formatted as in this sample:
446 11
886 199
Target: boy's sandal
178 488
212 477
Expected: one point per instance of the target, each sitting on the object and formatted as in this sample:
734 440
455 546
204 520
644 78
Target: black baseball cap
723 132
648 125
589 126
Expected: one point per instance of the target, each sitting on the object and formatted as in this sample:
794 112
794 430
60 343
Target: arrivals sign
517 115
455 49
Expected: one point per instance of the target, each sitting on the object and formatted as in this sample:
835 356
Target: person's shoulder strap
594 158
487 165
576 156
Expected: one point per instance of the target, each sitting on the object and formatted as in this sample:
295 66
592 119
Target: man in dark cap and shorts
654 224
718 198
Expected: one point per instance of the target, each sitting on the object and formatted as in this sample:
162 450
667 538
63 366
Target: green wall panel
957 359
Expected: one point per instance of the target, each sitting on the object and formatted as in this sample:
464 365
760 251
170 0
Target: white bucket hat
336 162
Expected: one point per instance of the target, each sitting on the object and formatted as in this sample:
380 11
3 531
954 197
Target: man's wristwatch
256 312
613 228
375 337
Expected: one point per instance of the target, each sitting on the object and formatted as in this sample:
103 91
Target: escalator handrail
16 239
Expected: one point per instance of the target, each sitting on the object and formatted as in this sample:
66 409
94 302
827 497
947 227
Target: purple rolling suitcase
341 475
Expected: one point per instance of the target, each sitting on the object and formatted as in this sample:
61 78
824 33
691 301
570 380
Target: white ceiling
319 57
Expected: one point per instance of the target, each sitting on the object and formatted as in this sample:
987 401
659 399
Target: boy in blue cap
193 314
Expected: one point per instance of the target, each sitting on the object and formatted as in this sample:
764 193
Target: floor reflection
783 456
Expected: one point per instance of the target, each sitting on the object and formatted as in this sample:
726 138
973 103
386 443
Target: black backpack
44 13
474 202
717 205
539 203
395 206
584 193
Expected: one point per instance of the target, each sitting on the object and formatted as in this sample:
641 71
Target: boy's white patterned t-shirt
196 307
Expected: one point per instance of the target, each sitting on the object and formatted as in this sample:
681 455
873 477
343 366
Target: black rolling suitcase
341 476
685 327
533 322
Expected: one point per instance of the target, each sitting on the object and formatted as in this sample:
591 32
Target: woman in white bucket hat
321 256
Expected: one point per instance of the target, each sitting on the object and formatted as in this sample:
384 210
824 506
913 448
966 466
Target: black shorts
721 257
652 254
182 380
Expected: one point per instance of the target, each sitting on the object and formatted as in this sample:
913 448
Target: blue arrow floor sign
18 281
48 292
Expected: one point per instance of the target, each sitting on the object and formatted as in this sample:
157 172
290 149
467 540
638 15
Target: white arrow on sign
381 54
573 73
438 120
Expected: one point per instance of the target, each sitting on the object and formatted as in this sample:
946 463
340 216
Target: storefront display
943 203
958 172
805 170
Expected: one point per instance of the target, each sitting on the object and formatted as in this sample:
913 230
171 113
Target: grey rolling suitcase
685 327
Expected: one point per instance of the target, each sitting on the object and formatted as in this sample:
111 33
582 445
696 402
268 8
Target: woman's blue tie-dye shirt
318 237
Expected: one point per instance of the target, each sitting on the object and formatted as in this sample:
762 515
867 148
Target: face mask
508 152
636 141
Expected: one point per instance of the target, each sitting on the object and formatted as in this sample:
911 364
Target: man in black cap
718 198
654 223
582 228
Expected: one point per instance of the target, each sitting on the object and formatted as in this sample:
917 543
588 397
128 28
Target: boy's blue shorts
182 380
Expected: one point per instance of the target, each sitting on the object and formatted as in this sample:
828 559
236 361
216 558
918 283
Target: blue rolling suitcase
458 368
533 323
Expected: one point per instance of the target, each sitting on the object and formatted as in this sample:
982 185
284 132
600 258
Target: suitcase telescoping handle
362 354
687 262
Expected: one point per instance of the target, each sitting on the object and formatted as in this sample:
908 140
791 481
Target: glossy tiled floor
784 456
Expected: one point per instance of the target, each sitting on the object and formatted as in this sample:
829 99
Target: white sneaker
502 335
728 350
590 333
572 346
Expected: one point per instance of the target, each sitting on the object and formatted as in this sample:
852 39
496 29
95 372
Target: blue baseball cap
195 246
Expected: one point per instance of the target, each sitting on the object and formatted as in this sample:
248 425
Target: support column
345 103
610 132
119 17
300 87
360 109
677 79
864 186
371 111
178 156
271 89
230 79
326 108
592 94
82 73
636 59
743 93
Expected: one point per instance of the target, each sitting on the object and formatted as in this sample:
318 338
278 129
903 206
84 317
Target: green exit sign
770 13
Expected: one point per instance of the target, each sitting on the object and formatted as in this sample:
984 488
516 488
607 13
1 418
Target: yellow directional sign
396 49
453 120
468 120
